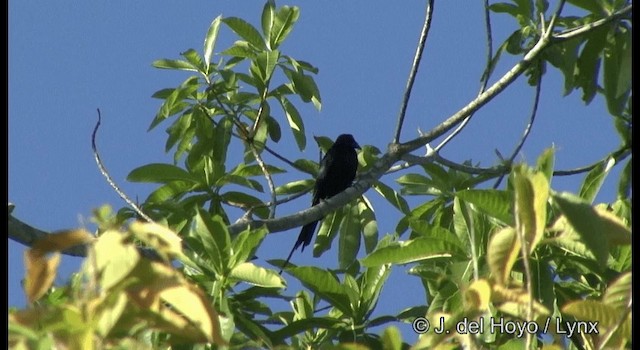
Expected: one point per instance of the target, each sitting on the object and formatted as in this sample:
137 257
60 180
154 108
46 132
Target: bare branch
267 175
527 129
106 175
277 155
483 80
574 32
28 235
414 69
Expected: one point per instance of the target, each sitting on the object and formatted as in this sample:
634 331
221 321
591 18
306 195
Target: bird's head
347 140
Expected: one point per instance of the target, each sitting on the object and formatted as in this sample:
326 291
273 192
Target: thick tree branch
28 235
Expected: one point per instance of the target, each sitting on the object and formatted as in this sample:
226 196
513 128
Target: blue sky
68 58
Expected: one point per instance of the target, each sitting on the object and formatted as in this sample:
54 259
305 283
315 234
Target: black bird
337 171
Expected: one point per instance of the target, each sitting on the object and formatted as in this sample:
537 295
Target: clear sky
68 58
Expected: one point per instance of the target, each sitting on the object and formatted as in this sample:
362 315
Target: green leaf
618 293
392 197
414 250
300 65
239 50
308 166
253 170
588 64
546 163
221 140
305 87
283 24
368 223
617 70
239 180
594 180
246 243
564 56
502 7
171 190
502 252
246 31
295 187
160 173
543 275
417 184
325 285
246 324
185 143
246 200
175 64
531 194
305 324
439 176
372 282
585 222
263 64
178 130
256 275
210 41
174 103
494 203
422 228
624 185
593 6
349 239
295 122
391 339
605 315
268 14
215 238
327 232
114 258
194 58
273 128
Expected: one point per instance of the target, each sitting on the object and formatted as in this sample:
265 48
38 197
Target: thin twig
267 175
260 116
527 129
574 32
618 155
414 69
105 173
282 158
483 80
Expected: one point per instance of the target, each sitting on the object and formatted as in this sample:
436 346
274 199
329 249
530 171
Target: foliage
525 255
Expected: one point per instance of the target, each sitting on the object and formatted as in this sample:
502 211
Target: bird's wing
319 191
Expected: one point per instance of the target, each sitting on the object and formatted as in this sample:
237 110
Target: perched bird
337 171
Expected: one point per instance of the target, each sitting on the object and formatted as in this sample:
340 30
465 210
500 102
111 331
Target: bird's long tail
304 238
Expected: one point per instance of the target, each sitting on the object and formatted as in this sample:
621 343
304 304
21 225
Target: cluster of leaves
524 253
573 251
580 58
221 102
118 293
